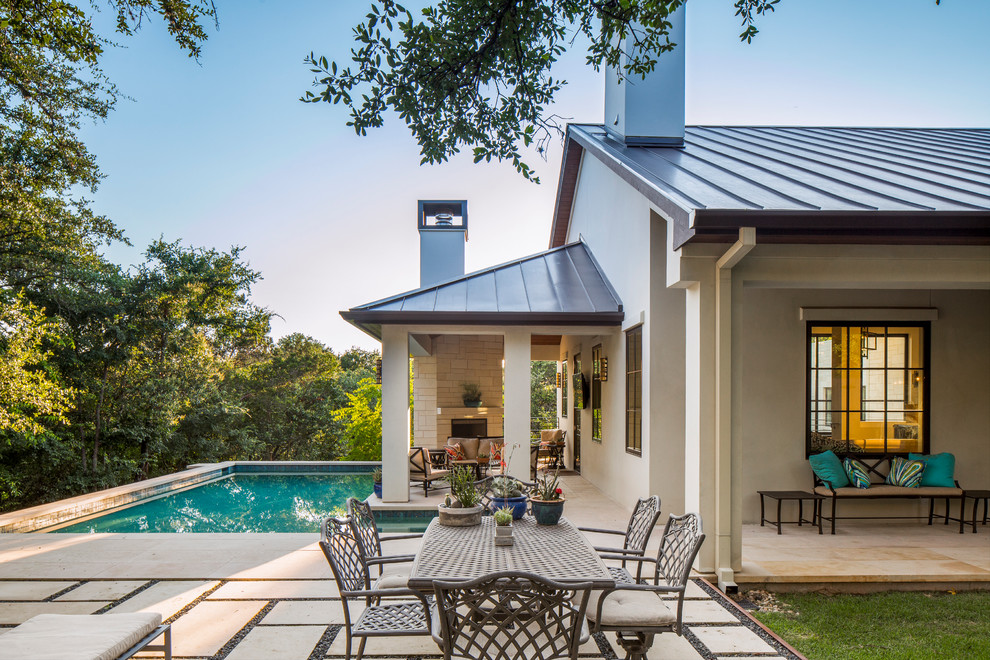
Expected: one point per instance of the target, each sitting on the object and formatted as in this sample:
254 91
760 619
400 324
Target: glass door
576 401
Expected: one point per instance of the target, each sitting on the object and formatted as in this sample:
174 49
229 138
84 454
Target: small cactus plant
503 516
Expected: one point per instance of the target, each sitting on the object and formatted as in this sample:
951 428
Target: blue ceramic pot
378 490
547 512
518 505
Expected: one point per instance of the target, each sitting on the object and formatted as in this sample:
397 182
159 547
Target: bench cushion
883 490
77 636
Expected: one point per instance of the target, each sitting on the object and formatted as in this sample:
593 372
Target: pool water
239 503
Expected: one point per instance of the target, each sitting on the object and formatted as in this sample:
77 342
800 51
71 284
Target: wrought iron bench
878 468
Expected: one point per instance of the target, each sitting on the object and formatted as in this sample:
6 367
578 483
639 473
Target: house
734 299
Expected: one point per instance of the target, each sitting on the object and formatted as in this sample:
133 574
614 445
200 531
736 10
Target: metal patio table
559 552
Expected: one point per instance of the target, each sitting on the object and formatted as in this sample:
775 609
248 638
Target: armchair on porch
422 471
637 534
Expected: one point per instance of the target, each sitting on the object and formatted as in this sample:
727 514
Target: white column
721 531
517 401
395 414
699 408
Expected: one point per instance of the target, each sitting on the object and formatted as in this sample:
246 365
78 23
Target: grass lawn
886 625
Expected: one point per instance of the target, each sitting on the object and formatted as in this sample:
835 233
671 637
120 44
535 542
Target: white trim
869 314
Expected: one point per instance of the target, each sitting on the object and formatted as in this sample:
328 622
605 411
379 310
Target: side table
976 496
800 496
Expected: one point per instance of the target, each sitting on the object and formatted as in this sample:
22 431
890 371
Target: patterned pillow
455 452
857 472
905 473
496 455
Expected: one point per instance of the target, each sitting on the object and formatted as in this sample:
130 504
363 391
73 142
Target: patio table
559 552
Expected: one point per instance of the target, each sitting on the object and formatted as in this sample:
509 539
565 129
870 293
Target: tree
363 422
477 73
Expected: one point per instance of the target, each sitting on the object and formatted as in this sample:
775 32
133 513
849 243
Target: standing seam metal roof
559 286
794 171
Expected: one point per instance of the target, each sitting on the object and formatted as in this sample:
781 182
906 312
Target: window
867 388
596 393
634 390
563 388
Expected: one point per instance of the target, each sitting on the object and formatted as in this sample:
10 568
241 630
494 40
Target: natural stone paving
254 596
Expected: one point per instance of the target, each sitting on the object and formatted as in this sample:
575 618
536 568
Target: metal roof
803 180
561 286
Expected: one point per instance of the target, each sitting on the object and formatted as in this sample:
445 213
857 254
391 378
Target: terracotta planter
547 512
466 517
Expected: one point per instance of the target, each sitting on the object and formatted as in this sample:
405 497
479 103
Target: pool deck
246 596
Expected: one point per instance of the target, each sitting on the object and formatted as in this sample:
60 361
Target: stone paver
731 639
166 598
204 629
707 611
16 590
277 589
421 646
315 612
99 590
666 646
282 642
17 613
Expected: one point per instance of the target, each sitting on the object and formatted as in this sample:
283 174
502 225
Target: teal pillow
857 472
939 469
905 473
828 467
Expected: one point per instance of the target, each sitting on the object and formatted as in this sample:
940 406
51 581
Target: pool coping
44 516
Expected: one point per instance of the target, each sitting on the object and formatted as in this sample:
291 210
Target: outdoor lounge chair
641 523
394 619
510 615
422 471
635 611
366 530
86 637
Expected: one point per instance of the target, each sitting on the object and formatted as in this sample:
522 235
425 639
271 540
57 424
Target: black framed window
596 393
634 390
867 388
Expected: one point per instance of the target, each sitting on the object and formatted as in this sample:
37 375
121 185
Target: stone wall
437 381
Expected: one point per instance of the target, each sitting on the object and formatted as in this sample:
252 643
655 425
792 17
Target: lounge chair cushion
884 490
77 636
396 580
630 608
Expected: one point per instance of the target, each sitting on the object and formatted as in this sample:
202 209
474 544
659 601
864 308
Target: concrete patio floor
244 596
248 596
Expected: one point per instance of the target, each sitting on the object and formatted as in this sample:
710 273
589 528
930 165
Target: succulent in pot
471 395
376 477
548 499
508 492
462 507
503 526
503 516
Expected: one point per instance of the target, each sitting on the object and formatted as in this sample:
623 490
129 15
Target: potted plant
376 476
508 493
548 499
462 507
503 526
471 395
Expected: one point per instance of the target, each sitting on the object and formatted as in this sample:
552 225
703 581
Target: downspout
725 526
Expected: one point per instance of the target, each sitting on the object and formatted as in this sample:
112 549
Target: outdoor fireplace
469 428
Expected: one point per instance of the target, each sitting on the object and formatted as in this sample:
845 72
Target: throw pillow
496 456
828 467
857 473
939 469
905 473
455 452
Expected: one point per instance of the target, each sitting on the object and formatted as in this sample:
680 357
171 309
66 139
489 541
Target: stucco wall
772 425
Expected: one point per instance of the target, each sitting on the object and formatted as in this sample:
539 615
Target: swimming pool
239 502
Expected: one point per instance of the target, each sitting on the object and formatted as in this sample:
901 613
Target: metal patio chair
421 469
635 612
510 615
366 529
641 523
484 486
393 619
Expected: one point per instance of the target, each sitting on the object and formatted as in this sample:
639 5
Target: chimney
442 235
649 112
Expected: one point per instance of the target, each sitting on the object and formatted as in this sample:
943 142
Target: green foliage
890 625
461 480
543 395
503 486
362 418
548 486
503 516
477 74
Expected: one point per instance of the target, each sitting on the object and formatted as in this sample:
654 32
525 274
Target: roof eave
365 319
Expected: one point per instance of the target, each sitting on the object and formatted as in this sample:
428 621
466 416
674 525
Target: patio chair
510 615
421 469
350 571
641 523
484 486
635 612
366 529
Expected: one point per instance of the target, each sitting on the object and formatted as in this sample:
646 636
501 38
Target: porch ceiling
563 286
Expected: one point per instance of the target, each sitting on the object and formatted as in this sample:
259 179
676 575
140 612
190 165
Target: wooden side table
800 496
977 496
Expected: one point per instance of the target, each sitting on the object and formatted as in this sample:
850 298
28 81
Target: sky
221 152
